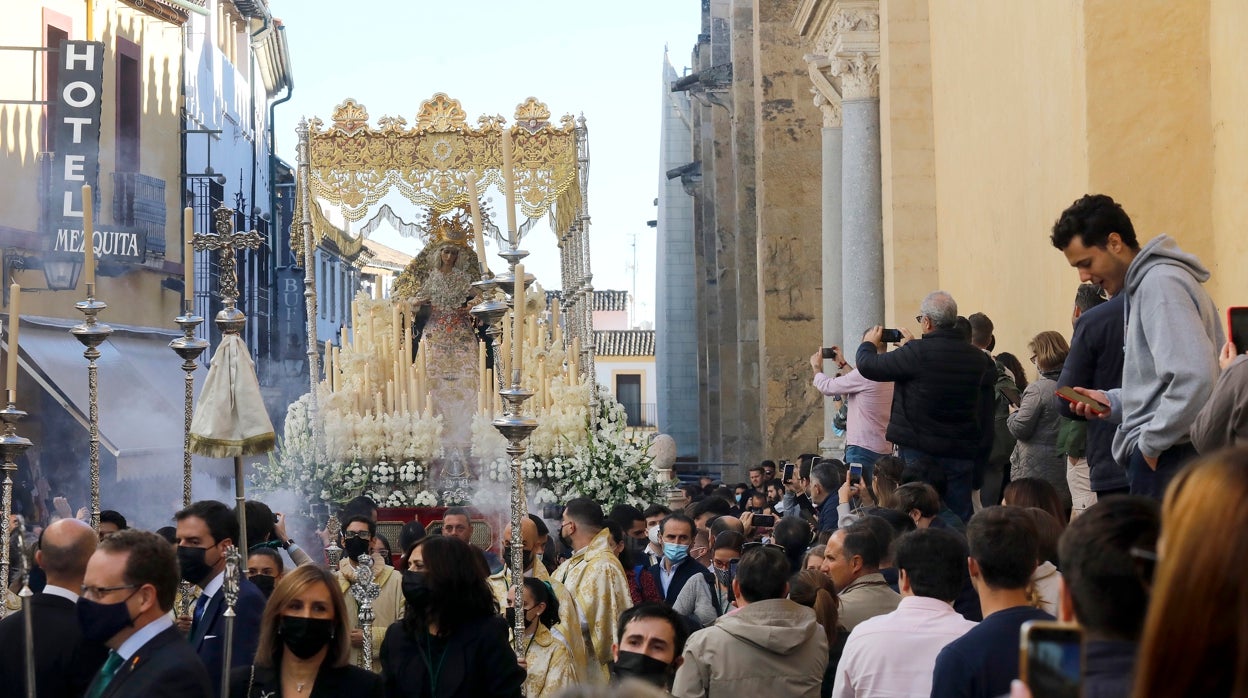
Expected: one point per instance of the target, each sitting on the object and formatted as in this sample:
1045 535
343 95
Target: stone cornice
855 42
811 17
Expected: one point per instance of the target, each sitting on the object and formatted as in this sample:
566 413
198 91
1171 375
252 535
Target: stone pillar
857 55
828 99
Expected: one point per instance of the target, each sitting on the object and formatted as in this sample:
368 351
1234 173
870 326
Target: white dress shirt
893 655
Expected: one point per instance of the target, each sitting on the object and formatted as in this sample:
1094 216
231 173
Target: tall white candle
15 297
88 236
188 251
509 186
517 334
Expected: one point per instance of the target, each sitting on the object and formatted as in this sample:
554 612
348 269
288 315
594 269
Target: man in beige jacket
770 647
387 607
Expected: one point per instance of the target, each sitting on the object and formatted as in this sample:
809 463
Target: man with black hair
111 522
1171 340
655 513
852 561
793 535
1105 589
919 501
893 654
990 471
595 577
359 506
205 530
357 536
796 500
648 645
771 646
677 567
942 397
457 522
65 663
1003 548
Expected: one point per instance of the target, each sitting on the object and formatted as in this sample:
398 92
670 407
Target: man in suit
64 662
127 593
205 530
676 567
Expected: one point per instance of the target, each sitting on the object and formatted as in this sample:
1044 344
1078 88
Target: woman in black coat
304 647
452 642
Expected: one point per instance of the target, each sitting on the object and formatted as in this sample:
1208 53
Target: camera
828 352
890 336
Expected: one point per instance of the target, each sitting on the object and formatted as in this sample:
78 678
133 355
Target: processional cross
229 242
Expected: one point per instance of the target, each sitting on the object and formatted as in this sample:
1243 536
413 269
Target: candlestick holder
516 428
189 347
365 591
11 447
333 553
91 334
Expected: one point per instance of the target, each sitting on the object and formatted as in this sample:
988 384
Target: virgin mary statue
436 288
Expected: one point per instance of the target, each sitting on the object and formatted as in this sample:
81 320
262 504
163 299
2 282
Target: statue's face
450 255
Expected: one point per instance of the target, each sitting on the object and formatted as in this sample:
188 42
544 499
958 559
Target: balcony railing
139 203
641 414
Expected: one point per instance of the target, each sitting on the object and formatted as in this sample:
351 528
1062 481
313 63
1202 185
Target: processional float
442 163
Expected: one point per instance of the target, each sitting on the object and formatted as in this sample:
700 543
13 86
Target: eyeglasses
362 535
919 318
751 546
383 552
99 592
1033 359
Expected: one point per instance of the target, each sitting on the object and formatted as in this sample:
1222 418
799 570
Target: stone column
829 102
857 55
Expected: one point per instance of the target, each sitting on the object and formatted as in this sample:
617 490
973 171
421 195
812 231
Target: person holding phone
1172 335
1223 421
869 405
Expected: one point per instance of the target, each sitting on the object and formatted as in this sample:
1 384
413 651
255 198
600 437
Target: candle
509 186
88 237
396 329
377 406
542 384
329 364
554 319
390 395
574 361
504 352
477 226
482 386
337 382
188 254
10 376
517 337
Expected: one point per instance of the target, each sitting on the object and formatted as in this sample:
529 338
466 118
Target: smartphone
732 568
828 352
764 521
855 473
1068 394
891 336
1051 659
786 475
1237 327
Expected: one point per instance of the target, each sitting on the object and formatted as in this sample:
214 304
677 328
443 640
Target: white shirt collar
53 590
215 585
142 635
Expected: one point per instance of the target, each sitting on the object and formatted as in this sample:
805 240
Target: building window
52 82
628 392
129 105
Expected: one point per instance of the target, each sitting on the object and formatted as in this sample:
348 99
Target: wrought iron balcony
139 203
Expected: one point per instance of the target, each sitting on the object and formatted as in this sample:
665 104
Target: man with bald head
568 629
64 662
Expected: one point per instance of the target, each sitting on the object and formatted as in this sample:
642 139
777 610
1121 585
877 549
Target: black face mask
193 564
264 583
304 637
415 590
354 548
511 618
525 555
639 666
101 621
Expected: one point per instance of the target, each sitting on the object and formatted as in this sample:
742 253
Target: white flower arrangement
425 498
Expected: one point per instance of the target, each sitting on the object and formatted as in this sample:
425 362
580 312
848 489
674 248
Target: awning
140 391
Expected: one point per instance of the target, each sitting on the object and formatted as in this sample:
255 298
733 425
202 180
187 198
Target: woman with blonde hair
305 644
1036 422
1195 640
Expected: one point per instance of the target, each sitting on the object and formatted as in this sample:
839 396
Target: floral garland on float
382 438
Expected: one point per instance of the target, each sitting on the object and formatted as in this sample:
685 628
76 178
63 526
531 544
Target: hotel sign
81 78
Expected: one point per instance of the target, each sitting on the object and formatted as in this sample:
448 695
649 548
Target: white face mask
653 533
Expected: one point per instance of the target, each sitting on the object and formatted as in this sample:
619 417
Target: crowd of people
971 502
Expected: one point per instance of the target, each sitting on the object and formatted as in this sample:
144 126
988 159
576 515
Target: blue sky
602 59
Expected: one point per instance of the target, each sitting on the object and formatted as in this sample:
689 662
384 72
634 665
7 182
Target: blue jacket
208 635
1095 361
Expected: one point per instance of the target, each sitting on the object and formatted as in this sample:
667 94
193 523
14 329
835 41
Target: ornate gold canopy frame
353 165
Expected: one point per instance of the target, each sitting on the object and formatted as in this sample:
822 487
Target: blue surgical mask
675 552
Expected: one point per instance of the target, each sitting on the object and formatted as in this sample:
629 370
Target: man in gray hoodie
1171 344
771 646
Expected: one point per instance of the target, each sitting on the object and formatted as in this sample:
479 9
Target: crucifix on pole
229 241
